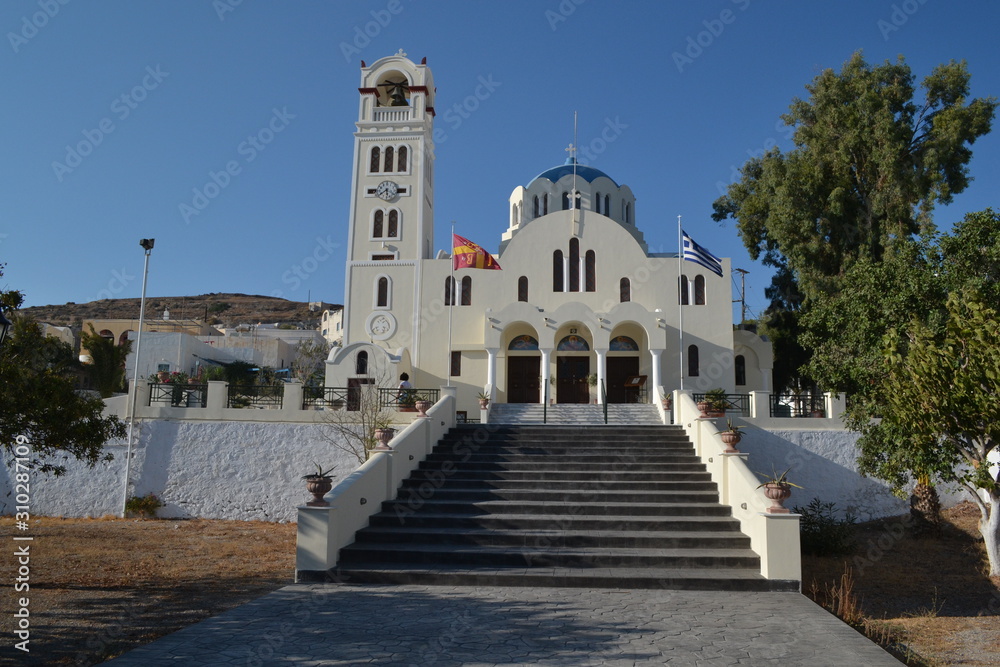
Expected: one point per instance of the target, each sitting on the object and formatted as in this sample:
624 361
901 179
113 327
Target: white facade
579 294
332 327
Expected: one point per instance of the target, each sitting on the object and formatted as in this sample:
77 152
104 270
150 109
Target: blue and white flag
695 253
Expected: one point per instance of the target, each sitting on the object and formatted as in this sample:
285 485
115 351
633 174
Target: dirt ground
932 594
100 587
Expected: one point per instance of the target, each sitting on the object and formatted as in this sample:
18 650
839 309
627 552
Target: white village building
579 293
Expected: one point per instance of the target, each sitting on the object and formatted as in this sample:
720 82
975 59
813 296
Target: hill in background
220 309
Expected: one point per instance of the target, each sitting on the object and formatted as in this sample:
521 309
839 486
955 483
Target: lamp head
147 244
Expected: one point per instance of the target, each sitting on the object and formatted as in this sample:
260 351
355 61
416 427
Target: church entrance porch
523 379
571 379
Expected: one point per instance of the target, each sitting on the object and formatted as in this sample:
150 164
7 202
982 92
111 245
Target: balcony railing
737 403
178 395
328 398
405 399
263 397
797 405
394 114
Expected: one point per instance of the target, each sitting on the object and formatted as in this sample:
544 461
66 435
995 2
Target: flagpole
451 290
680 299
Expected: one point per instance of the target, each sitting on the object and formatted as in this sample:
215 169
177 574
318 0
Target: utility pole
743 294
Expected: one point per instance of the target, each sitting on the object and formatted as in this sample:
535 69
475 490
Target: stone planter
730 440
703 408
318 487
484 403
163 376
777 494
384 435
423 407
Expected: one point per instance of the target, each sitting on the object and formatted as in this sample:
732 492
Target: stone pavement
331 624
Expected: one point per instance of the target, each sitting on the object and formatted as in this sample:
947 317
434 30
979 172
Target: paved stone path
329 624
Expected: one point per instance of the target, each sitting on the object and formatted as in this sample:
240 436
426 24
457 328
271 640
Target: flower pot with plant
777 488
422 407
384 435
731 437
318 484
716 403
484 400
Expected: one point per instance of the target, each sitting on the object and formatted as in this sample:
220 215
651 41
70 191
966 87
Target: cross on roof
571 149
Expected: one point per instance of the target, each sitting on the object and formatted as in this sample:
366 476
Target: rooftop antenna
573 195
743 293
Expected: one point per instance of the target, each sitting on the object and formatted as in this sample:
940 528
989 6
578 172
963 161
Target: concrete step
553 485
407 506
569 522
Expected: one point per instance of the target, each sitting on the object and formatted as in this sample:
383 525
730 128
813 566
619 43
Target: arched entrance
622 364
523 370
572 369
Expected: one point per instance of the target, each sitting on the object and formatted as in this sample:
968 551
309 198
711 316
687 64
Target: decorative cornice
383 262
368 91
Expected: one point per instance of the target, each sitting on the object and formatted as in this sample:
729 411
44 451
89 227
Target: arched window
741 370
361 363
382 293
628 213
393 231
389 157
699 290
467 291
522 288
607 205
597 202
534 208
106 333
590 271
376 159
565 201
625 290
545 204
577 199
401 159
557 271
692 361
377 225
683 287
574 264
124 337
449 291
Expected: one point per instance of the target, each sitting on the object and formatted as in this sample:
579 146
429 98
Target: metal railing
797 405
178 395
263 397
405 399
325 398
734 403
604 400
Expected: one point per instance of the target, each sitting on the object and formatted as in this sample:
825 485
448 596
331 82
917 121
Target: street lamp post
147 245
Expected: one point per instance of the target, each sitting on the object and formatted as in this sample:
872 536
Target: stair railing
604 401
545 404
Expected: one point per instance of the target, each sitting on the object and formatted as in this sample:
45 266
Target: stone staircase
575 414
595 507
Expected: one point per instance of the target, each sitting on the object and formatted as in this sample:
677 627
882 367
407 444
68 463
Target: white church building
579 294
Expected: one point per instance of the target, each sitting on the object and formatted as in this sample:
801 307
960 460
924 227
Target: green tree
107 368
870 163
939 408
40 401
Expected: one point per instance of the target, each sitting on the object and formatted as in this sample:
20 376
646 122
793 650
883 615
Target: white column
565 273
546 352
491 371
657 374
602 364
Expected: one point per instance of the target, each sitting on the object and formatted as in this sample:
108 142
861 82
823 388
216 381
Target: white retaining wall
216 470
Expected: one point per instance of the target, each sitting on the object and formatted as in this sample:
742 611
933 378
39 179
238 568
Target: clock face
386 190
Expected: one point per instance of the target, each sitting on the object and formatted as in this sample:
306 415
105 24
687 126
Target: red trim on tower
368 91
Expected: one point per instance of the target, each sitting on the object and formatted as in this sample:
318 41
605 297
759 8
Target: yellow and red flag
468 255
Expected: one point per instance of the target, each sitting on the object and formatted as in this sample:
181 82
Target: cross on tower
571 149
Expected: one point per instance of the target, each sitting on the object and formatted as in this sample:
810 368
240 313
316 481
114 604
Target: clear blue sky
198 80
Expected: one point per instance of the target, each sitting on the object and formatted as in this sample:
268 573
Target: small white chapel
579 297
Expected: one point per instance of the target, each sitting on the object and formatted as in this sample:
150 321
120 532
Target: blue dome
583 171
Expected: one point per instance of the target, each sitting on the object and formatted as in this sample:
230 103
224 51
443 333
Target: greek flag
695 253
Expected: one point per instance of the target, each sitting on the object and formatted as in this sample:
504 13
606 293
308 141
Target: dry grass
928 598
100 587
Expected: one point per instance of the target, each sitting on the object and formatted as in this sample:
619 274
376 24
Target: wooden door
571 380
523 379
619 370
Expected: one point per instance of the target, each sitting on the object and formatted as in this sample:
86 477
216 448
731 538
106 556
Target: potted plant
731 436
717 403
422 407
318 484
777 488
484 400
384 434
667 399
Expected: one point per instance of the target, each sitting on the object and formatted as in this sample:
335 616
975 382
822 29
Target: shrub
822 533
143 506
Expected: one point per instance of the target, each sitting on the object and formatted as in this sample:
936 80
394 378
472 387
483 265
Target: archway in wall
624 362
572 366
523 369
